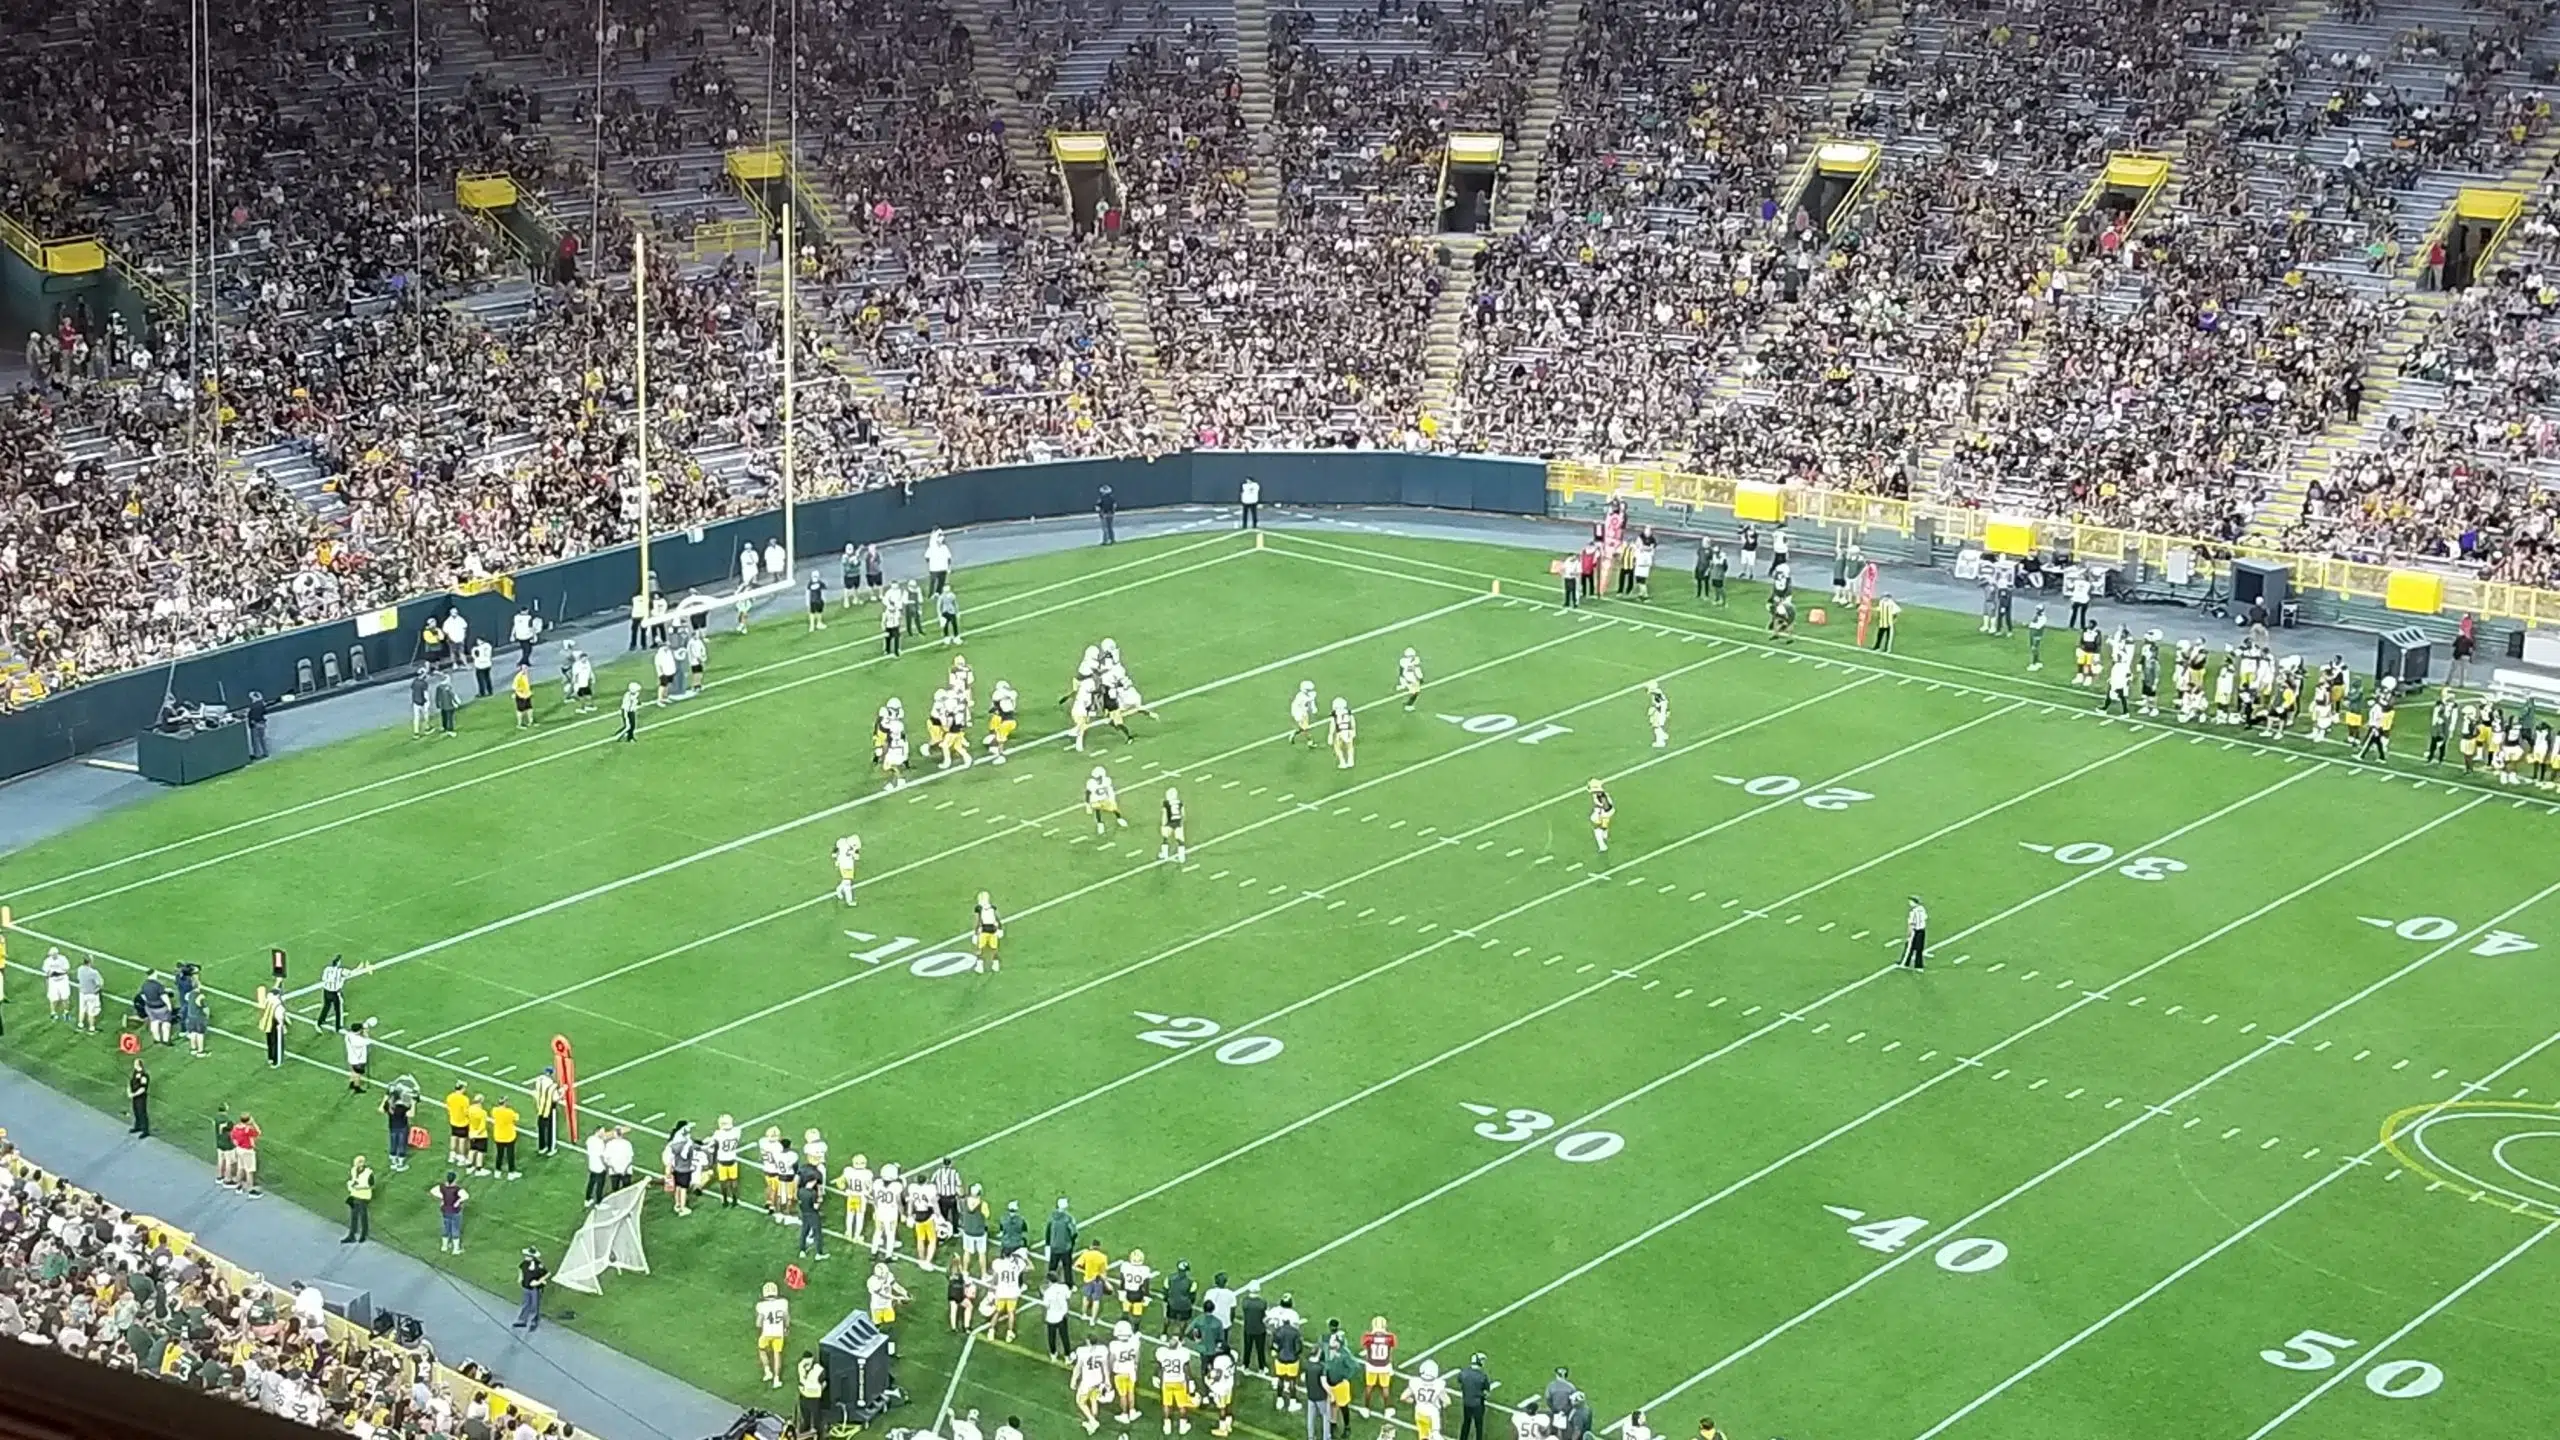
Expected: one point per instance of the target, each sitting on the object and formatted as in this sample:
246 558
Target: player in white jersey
1171 842
848 856
2224 684
1004 712
1426 1395
1091 1368
1657 710
988 936
1346 734
1006 1301
1222 1391
1527 1423
964 685
1080 711
1409 678
885 1292
1124 1369
773 1323
893 748
886 1193
1102 798
855 1183
1635 1428
1173 1384
1303 709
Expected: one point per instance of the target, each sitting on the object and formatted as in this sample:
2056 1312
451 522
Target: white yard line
2056 699
1790 1017
2140 1118
1142 868
708 707
2349 1165
1453 936
1594 988
2383 1346
1945 1074
1007 832
868 797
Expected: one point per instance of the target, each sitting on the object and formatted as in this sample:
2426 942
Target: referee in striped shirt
1915 948
946 1194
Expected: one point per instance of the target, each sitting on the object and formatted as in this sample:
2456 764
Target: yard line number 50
2392 1379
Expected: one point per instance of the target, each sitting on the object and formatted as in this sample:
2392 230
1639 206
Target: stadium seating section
334 385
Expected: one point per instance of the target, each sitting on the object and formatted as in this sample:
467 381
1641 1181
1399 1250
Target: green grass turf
2134 1121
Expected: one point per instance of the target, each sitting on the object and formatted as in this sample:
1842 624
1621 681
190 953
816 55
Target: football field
2224 1102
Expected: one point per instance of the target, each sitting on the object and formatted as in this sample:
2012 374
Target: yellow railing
75 255
2354 579
726 237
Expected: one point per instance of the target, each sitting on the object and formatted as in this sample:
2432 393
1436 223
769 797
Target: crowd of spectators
88 1279
2464 470
1657 300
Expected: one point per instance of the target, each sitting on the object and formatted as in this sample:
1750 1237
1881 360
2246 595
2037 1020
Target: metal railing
2350 579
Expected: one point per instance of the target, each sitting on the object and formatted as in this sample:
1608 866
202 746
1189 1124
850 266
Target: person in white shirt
747 566
457 631
1055 1300
582 681
1915 947
965 1427
937 561
777 566
666 663
618 1160
1635 1428
697 654
359 1040
1249 495
599 1144
524 631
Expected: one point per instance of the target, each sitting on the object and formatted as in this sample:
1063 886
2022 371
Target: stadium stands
89 1279
2251 345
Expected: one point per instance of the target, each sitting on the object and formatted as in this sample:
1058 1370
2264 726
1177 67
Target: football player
848 855
1171 843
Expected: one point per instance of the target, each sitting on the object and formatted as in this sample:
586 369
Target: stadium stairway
1881 26
1253 72
1025 137
2386 391
289 465
2082 276
1443 353
1138 339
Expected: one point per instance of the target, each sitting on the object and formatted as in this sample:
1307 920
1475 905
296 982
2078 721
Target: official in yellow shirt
502 1137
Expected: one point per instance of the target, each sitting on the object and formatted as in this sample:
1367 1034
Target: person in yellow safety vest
813 1396
359 1202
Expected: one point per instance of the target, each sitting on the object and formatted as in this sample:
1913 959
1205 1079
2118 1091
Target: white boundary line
2383 1346
2147 1115
1033 822
1147 867
1790 1017
1596 986
2344 1168
2058 702
1950 1071
1469 932
868 797
711 707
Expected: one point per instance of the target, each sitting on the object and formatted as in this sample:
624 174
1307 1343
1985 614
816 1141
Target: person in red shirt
1378 1367
244 1153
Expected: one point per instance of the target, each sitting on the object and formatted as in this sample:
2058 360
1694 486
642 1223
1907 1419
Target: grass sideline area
1401 1040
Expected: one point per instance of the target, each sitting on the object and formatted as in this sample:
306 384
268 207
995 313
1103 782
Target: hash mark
1891 1046
2234 1130
1338 904
2192 1122
1258 790
1685 994
1861 935
2076 1094
1718 1001
1365 914
1523 950
1754 1010
1587 967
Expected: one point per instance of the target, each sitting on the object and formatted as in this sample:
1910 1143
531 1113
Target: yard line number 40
1963 1255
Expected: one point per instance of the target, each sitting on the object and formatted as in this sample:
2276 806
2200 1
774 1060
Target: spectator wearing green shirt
1062 1238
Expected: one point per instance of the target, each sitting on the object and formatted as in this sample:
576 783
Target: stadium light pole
640 376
